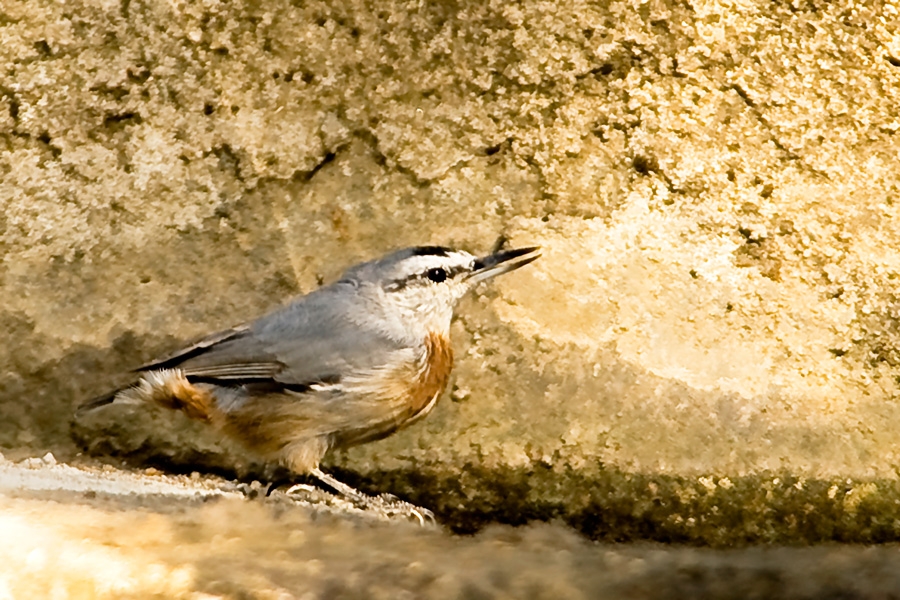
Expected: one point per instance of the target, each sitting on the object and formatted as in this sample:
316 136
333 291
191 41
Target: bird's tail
97 402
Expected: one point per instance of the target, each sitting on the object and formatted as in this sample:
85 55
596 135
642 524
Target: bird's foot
300 487
384 505
390 506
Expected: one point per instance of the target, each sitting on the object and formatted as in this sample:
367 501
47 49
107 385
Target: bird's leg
340 487
376 503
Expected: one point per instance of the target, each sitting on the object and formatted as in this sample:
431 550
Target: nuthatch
346 364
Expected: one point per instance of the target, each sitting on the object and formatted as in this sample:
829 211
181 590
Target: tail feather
96 403
168 388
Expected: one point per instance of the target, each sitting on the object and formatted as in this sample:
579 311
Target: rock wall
714 185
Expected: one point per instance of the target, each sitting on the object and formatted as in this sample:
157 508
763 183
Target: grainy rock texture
714 184
152 535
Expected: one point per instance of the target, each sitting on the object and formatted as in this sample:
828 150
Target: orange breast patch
433 377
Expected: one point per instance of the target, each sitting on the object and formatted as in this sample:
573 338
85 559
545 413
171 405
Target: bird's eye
436 275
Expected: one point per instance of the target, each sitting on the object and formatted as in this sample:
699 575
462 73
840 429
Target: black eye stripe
449 272
454 271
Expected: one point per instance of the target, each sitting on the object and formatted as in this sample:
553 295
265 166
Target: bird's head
420 286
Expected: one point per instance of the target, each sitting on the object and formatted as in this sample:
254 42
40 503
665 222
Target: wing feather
315 339
174 359
237 371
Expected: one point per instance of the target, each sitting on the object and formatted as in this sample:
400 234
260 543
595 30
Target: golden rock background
708 350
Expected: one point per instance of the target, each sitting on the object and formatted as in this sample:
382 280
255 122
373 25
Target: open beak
502 262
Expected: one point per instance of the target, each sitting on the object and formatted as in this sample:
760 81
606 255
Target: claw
419 516
387 505
300 487
398 507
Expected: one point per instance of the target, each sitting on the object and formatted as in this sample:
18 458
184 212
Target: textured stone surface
144 535
714 185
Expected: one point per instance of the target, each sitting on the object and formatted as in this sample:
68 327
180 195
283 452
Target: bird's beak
499 263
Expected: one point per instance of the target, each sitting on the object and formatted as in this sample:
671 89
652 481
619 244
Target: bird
348 363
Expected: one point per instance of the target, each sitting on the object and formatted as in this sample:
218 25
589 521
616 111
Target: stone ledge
191 538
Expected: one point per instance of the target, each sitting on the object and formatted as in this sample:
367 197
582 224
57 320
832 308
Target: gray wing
182 355
309 341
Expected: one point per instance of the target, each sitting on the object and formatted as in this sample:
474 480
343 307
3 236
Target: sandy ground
101 532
